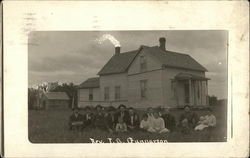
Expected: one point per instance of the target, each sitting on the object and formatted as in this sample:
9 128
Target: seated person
144 125
190 116
76 120
150 113
110 119
133 119
184 128
99 119
158 124
211 119
201 124
88 117
122 112
169 120
121 125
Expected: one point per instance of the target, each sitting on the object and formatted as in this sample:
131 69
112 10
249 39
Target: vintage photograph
145 86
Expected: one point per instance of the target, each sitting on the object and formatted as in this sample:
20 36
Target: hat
130 108
121 105
98 106
187 106
111 108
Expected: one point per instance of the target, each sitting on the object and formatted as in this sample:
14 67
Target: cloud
73 56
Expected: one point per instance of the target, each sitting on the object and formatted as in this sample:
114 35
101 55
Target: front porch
190 90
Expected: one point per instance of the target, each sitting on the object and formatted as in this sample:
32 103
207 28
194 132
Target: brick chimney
162 41
117 50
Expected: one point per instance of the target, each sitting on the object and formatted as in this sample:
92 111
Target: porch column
206 94
195 92
190 91
176 91
201 92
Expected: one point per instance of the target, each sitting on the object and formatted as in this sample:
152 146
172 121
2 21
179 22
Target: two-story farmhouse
148 76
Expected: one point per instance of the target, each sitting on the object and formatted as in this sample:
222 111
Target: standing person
169 120
188 119
123 113
110 119
158 124
99 120
133 120
88 118
76 120
121 125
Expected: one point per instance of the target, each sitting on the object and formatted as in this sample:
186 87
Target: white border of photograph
130 15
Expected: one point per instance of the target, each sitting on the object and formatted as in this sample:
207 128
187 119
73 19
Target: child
121 125
158 124
201 124
184 127
144 125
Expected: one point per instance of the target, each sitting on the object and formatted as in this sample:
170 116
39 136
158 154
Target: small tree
213 100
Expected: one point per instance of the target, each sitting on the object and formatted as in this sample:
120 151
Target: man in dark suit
110 119
122 113
133 120
76 120
169 120
99 119
88 118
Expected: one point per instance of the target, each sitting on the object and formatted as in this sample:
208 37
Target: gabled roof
90 83
174 59
118 63
57 95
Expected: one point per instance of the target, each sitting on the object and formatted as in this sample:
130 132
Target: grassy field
52 127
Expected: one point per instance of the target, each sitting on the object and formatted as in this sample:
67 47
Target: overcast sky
74 56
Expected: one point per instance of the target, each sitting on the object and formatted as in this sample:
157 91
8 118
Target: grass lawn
52 127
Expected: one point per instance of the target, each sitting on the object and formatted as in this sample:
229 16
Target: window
90 94
106 93
173 89
117 92
143 85
143 63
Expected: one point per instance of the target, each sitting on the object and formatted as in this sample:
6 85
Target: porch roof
187 76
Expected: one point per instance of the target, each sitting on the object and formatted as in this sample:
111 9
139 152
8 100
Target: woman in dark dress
188 120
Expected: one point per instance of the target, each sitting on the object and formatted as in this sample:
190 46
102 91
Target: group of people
125 119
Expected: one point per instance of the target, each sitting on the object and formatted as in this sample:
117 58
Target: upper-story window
143 63
143 86
106 93
117 92
91 94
